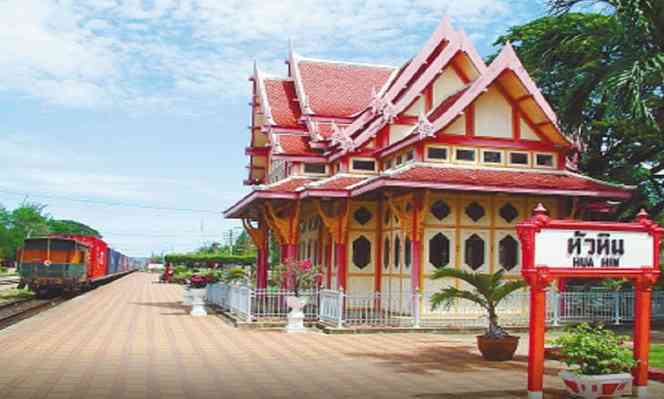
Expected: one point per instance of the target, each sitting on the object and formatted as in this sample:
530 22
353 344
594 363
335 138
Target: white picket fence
387 309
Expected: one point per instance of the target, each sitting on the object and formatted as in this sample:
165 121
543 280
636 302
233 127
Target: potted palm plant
600 362
487 291
297 276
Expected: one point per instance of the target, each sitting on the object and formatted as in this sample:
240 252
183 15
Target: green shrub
594 350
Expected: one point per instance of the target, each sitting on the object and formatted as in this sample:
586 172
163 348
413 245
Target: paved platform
132 339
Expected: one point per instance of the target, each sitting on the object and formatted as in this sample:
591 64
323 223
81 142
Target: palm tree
488 290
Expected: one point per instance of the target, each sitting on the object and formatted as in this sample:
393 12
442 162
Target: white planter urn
186 299
296 314
597 386
198 301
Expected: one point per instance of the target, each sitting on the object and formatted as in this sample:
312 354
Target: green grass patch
657 356
15 294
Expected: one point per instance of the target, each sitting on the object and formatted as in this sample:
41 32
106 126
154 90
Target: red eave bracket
256 151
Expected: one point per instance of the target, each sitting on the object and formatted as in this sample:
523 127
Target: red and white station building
382 175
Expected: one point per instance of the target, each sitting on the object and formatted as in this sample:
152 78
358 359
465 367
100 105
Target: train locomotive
68 263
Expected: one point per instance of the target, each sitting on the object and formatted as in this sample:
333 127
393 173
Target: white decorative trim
260 87
424 127
339 138
293 60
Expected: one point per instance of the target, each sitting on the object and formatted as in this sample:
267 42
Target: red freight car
68 262
98 251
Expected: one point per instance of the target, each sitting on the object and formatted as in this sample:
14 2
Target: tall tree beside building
604 74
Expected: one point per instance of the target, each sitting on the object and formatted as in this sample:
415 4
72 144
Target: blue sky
144 103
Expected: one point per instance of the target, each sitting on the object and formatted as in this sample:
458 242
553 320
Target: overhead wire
109 203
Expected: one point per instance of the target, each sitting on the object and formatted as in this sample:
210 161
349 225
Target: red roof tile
283 103
289 185
339 89
326 131
339 183
505 179
293 144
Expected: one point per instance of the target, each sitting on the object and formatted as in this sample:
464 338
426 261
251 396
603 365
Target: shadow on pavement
453 359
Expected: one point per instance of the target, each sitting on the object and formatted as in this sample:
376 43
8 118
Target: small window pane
492 157
519 158
544 160
387 164
465 155
364 165
362 216
410 155
399 160
315 168
437 153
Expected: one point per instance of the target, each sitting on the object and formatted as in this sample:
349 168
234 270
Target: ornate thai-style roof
293 144
496 180
340 89
330 111
283 103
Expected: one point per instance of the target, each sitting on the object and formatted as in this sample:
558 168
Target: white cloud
191 55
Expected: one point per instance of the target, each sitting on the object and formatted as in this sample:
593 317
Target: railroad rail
13 312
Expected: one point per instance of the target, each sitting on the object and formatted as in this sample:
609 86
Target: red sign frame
539 279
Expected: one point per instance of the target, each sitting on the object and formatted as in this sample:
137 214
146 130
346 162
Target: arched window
474 252
397 252
439 251
386 253
406 252
361 252
508 253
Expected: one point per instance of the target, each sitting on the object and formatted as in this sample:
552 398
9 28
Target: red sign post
554 249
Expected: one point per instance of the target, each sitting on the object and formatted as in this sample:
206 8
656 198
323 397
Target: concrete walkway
132 339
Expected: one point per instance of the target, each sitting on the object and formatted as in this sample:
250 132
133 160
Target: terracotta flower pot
500 349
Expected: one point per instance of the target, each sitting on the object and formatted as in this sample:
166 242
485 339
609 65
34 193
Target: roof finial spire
290 46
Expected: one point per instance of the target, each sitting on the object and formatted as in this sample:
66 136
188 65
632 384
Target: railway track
13 312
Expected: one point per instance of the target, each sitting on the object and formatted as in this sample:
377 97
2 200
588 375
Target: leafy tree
4 233
71 227
604 74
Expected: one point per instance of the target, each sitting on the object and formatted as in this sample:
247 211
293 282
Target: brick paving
132 339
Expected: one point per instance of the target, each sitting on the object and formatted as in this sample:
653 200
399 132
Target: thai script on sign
585 250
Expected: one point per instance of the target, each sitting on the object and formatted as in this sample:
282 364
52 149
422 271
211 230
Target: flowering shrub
298 275
198 281
594 350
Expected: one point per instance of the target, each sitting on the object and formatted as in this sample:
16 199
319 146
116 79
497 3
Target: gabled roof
443 46
292 144
284 106
339 89
506 62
